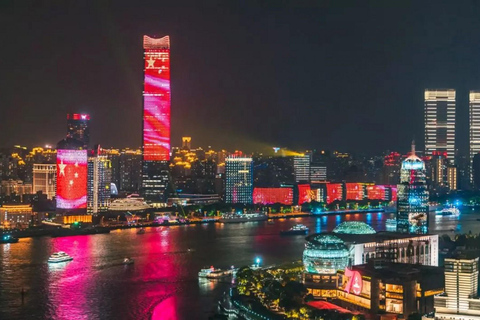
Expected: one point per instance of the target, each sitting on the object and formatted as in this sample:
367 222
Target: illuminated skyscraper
77 128
474 110
301 167
412 202
45 179
98 183
239 180
440 122
156 118
72 180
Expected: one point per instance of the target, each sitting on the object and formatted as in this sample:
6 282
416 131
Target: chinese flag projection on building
156 99
71 179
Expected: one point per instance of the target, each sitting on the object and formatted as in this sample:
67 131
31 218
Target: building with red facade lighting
273 195
156 117
303 193
376 192
71 181
355 191
334 192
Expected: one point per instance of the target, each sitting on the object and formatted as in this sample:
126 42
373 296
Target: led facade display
156 99
273 195
71 179
303 193
334 192
376 192
355 191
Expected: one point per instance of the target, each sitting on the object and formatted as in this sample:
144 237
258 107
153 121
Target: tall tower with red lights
156 117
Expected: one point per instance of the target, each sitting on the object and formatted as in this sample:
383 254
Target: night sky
321 74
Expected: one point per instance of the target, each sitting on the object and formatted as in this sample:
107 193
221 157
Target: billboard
273 195
354 191
71 179
334 192
376 192
156 99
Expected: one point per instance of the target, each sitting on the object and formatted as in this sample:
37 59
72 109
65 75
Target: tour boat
6 238
297 229
59 257
128 261
448 211
243 217
212 273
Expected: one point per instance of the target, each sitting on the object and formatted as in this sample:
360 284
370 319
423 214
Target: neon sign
354 283
156 99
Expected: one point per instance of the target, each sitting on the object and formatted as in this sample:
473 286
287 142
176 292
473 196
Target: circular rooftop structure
324 254
354 227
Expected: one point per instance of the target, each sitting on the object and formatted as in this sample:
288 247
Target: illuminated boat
128 261
212 273
391 224
7 238
130 203
448 211
59 257
243 217
298 229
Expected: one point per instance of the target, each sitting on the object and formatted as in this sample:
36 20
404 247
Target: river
162 283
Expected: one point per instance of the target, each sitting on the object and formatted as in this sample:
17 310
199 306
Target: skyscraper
45 179
156 117
77 128
239 180
412 202
72 180
474 117
98 183
301 167
440 122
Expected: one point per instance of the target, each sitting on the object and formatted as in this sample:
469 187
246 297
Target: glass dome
324 254
354 227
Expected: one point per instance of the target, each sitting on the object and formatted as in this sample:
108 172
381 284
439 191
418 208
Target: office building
476 171
130 170
78 128
239 180
301 167
156 118
15 188
71 181
15 215
474 126
412 197
461 289
452 179
45 179
318 173
440 122
98 184
187 143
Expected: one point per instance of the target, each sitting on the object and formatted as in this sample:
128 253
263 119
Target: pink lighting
71 179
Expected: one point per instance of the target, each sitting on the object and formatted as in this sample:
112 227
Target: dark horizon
347 77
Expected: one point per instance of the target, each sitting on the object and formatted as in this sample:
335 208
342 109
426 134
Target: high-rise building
440 122
77 128
474 115
461 288
45 179
72 180
318 173
437 171
452 179
476 171
98 184
301 167
130 170
239 180
391 168
187 143
412 201
156 118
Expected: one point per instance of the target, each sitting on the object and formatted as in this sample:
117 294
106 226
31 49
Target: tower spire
413 147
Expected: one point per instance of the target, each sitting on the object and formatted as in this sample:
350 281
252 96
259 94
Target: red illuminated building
303 193
156 99
376 192
273 195
355 191
71 179
334 192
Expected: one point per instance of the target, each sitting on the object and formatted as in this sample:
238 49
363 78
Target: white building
301 168
45 179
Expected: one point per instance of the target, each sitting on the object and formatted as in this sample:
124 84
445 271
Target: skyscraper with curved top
156 117
412 201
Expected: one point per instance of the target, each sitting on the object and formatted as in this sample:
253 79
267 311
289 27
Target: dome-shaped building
324 254
354 227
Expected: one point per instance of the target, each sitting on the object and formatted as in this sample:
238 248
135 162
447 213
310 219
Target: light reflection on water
162 283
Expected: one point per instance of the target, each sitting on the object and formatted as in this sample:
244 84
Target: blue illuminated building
412 197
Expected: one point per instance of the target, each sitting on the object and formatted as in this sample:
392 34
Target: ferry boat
448 211
212 273
391 224
59 257
132 202
7 238
297 229
243 217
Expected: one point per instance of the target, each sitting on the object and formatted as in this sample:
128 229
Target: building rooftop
367 238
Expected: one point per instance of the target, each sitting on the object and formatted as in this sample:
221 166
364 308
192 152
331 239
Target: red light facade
71 179
376 192
393 193
78 116
273 195
334 192
156 99
355 191
303 193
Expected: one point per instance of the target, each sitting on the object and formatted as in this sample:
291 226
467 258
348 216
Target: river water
162 283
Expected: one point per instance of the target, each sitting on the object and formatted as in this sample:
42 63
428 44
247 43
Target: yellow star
151 63
62 166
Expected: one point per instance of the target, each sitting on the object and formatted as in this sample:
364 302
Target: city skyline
256 90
